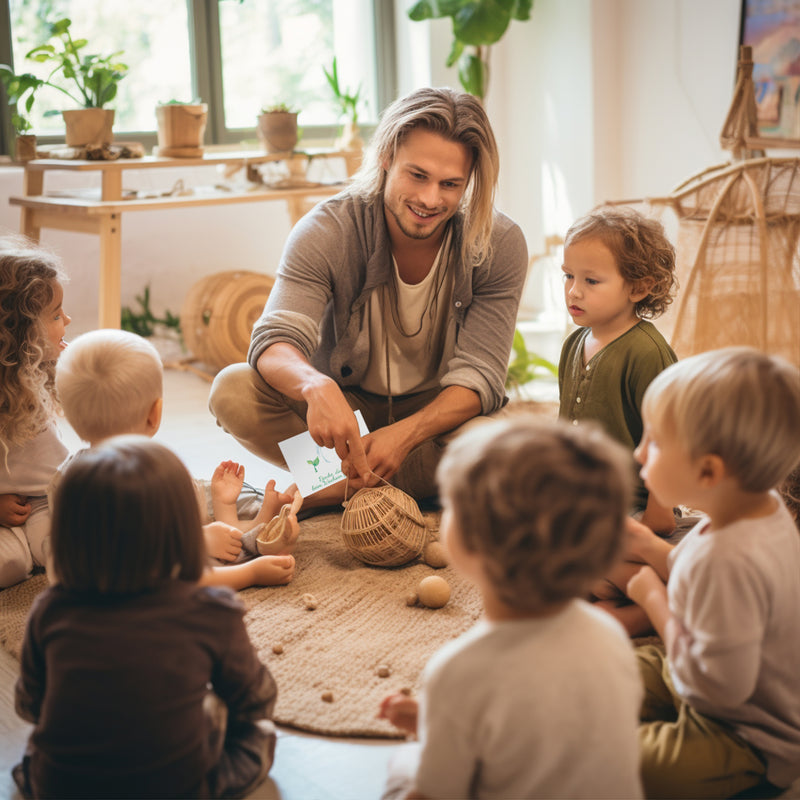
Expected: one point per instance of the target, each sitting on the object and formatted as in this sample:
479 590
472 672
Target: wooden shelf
99 211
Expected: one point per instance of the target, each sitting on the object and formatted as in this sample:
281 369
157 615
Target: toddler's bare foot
271 570
223 541
273 501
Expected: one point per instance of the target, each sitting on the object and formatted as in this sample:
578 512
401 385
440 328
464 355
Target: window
236 55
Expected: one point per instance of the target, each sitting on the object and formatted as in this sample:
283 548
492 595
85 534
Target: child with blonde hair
541 697
32 326
722 710
619 272
138 682
111 383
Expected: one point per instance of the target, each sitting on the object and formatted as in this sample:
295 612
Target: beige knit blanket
361 622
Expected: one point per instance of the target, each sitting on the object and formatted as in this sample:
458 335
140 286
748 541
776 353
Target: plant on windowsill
17 87
181 127
92 80
277 128
477 24
347 100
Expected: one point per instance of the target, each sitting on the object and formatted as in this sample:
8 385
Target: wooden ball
433 591
434 555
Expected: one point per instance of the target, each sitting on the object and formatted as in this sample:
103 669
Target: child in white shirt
722 710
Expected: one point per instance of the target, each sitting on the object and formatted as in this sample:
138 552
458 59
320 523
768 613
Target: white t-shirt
735 654
32 464
418 354
533 708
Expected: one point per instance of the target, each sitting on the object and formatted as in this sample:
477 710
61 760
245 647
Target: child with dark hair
540 698
618 274
129 669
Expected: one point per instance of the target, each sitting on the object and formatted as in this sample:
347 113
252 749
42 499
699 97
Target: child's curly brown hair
644 255
28 275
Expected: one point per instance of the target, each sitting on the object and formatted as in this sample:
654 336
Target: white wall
591 100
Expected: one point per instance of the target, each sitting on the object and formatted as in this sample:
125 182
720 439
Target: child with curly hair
618 274
32 325
541 697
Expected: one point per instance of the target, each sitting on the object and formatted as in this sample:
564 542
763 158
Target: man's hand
14 510
332 423
386 449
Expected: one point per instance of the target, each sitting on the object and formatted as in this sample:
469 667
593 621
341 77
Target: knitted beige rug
327 672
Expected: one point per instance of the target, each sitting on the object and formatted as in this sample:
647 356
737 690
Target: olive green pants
684 753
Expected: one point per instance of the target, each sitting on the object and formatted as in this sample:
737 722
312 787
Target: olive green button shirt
609 389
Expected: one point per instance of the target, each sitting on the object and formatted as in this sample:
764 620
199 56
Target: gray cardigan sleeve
487 320
310 265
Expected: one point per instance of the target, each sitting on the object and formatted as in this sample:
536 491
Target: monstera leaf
477 24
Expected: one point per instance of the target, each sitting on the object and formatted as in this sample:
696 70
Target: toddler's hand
14 510
401 710
226 482
644 581
223 541
638 540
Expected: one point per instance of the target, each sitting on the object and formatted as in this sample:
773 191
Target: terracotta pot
25 147
181 128
278 131
88 126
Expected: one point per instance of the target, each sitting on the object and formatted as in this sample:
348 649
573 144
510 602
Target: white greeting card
314 467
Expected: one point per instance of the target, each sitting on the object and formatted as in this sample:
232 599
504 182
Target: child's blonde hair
736 403
28 276
125 519
643 253
107 382
543 503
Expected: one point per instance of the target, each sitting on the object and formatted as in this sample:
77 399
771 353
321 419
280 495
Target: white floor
306 767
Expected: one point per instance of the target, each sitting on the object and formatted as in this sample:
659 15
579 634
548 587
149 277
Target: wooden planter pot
88 126
25 147
278 131
181 128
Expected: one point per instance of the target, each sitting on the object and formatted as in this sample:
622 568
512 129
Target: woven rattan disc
218 315
383 526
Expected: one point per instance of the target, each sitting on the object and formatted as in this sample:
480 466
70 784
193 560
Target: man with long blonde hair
397 297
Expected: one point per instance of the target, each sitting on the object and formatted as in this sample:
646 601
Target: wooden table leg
110 271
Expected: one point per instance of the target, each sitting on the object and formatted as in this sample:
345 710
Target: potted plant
477 24
181 127
93 81
277 128
347 100
17 87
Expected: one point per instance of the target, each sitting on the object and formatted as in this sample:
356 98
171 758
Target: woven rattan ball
383 526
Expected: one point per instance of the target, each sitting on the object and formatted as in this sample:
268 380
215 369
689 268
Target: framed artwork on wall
772 29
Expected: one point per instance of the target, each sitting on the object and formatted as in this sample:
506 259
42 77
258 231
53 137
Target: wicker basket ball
383 526
218 315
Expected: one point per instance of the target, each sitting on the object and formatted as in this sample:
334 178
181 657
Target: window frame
206 71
